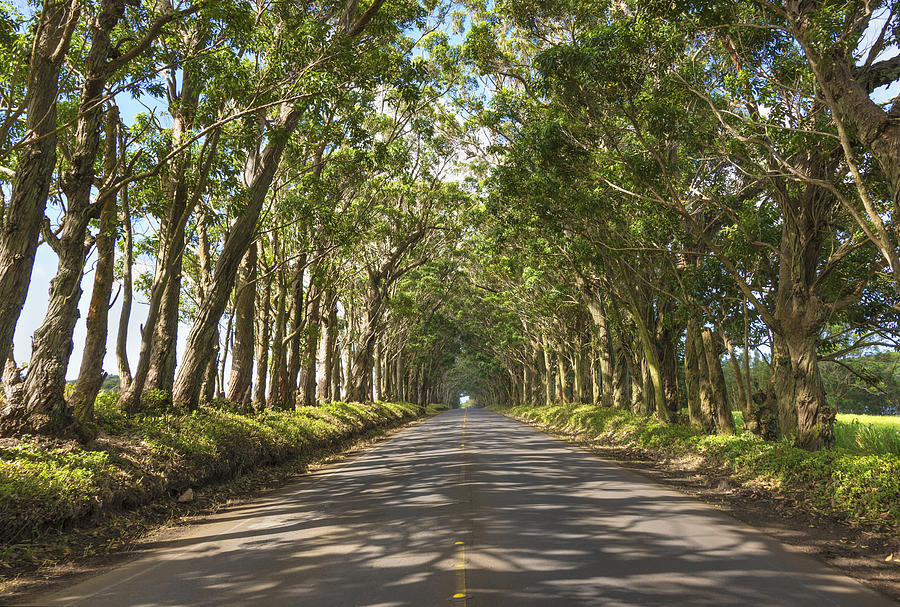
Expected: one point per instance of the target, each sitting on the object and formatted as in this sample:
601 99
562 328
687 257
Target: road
471 504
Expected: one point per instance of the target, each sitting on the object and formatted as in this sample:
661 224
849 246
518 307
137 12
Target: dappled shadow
543 524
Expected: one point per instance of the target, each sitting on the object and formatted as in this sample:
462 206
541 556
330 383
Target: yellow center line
461 592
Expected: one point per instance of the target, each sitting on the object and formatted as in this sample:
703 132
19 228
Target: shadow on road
543 524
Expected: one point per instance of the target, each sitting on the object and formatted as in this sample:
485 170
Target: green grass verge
863 487
140 458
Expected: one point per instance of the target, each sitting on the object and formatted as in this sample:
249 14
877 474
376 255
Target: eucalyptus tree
417 216
327 61
846 47
114 39
669 119
32 158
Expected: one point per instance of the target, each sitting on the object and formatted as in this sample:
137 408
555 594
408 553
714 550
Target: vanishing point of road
470 509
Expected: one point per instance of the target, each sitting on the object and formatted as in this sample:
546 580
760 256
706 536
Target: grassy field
47 484
862 434
847 481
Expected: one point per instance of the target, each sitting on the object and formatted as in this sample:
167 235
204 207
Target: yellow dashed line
461 592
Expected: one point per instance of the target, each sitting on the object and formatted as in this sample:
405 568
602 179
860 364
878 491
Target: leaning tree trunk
848 91
45 402
35 166
655 388
241 380
200 339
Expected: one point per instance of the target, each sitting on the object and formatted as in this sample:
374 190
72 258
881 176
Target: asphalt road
470 503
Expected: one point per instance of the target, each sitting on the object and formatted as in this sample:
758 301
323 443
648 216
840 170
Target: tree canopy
681 209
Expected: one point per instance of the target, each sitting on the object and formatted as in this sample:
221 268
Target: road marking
461 592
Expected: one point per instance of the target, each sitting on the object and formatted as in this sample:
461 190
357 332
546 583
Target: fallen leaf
889 558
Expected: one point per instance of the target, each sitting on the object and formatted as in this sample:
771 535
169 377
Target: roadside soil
33 566
869 553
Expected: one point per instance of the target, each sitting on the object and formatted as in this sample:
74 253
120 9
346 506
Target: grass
46 485
862 486
862 434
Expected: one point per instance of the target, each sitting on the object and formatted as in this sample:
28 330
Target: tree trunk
800 314
35 166
202 334
327 356
127 287
263 310
549 381
241 380
360 383
223 356
692 375
619 375
743 391
297 324
161 374
208 387
307 388
603 350
722 416
578 386
336 353
636 377
665 346
876 129
91 375
277 386
562 377
182 107
707 397
45 409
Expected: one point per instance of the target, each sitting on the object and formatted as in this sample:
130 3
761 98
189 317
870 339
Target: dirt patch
868 553
32 567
